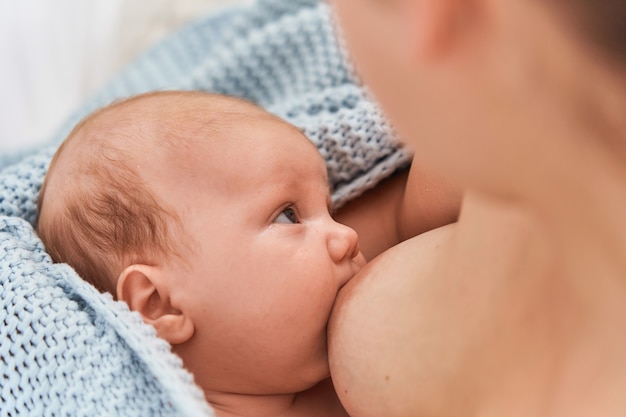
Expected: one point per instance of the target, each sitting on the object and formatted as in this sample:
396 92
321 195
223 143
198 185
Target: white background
53 54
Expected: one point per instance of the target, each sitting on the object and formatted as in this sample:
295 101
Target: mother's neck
581 205
579 215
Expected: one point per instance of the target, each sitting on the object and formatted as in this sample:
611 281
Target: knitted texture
66 349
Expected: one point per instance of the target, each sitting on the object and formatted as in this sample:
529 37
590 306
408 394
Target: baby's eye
287 216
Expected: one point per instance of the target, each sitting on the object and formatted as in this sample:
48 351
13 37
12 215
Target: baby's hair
603 22
108 216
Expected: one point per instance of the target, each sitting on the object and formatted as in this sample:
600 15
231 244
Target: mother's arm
408 203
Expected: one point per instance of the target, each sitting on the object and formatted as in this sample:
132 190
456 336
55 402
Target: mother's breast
382 359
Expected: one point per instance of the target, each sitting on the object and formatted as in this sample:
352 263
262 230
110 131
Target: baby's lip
358 262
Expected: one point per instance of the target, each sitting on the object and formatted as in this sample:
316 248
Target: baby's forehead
179 134
166 119
182 118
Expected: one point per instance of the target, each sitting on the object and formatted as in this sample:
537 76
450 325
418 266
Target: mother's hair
603 22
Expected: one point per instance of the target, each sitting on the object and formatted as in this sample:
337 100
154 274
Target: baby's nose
343 243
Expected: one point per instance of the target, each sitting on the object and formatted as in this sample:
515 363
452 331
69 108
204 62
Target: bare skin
518 309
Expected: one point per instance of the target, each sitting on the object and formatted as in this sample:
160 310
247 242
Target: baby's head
210 217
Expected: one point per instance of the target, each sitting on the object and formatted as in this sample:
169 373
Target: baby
211 218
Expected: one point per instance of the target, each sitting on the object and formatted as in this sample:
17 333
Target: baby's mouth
360 261
355 269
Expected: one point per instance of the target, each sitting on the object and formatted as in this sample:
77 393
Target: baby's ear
145 290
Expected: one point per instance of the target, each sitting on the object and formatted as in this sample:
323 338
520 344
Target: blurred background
56 53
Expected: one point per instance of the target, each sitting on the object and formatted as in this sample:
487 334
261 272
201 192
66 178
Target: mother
520 308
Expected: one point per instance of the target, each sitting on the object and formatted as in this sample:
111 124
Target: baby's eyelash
288 215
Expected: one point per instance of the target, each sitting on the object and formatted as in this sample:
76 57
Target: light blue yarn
67 350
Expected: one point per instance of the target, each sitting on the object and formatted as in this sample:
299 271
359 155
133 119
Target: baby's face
267 258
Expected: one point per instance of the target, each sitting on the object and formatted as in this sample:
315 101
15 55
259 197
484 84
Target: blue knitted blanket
66 349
